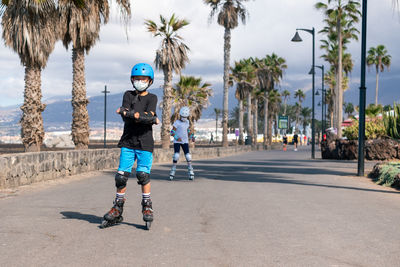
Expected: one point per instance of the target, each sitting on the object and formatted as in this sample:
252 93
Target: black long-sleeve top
138 135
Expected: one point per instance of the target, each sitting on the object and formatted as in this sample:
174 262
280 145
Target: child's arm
191 135
149 116
173 134
124 109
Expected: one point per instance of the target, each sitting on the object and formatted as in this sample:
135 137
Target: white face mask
140 85
183 119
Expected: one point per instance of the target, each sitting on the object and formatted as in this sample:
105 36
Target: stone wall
27 168
378 149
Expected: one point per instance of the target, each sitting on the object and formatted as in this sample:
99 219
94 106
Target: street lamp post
323 97
297 38
105 114
363 92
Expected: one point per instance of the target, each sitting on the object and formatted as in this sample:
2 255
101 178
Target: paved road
267 208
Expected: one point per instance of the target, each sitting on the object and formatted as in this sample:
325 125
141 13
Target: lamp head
297 37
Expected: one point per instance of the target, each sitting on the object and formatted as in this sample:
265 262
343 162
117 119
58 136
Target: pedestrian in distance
138 112
295 141
284 141
212 138
182 134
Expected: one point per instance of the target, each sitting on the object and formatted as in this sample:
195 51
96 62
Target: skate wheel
120 219
148 225
104 224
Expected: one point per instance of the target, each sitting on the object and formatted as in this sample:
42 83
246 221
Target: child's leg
175 159
126 160
144 163
188 156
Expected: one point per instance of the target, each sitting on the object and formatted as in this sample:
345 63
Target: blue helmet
143 69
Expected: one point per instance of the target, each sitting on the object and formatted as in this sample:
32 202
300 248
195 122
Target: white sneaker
295 149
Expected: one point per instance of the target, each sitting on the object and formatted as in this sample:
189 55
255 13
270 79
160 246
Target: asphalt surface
266 208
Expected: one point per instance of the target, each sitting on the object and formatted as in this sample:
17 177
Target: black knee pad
121 179
143 178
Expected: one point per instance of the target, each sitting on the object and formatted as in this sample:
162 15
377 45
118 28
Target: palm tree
297 109
269 73
274 99
172 56
229 13
80 25
217 112
257 95
349 109
300 95
243 75
285 94
329 102
378 56
30 29
373 110
305 117
341 15
190 92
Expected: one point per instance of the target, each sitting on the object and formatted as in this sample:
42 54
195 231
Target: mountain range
57 114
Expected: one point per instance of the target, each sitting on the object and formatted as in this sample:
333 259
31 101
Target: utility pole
105 114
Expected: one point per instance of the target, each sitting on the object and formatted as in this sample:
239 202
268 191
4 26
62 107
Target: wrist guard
146 118
125 112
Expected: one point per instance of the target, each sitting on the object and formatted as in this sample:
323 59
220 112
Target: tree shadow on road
269 173
94 219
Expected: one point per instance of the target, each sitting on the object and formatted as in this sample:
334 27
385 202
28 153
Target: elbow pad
146 118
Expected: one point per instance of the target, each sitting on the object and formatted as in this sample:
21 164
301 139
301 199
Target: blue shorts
127 159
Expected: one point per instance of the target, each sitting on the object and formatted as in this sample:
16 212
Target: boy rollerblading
138 111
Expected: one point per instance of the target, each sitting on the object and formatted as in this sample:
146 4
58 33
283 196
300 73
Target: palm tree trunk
265 134
32 131
376 87
80 116
166 109
339 82
255 120
284 112
227 54
249 117
241 122
270 130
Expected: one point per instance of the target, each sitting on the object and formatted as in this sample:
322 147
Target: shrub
392 122
388 174
374 129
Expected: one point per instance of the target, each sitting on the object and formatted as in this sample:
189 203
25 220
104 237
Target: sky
269 28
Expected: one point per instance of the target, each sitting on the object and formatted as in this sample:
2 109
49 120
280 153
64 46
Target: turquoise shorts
127 159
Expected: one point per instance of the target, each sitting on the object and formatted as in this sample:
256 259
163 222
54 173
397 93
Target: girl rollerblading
181 133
